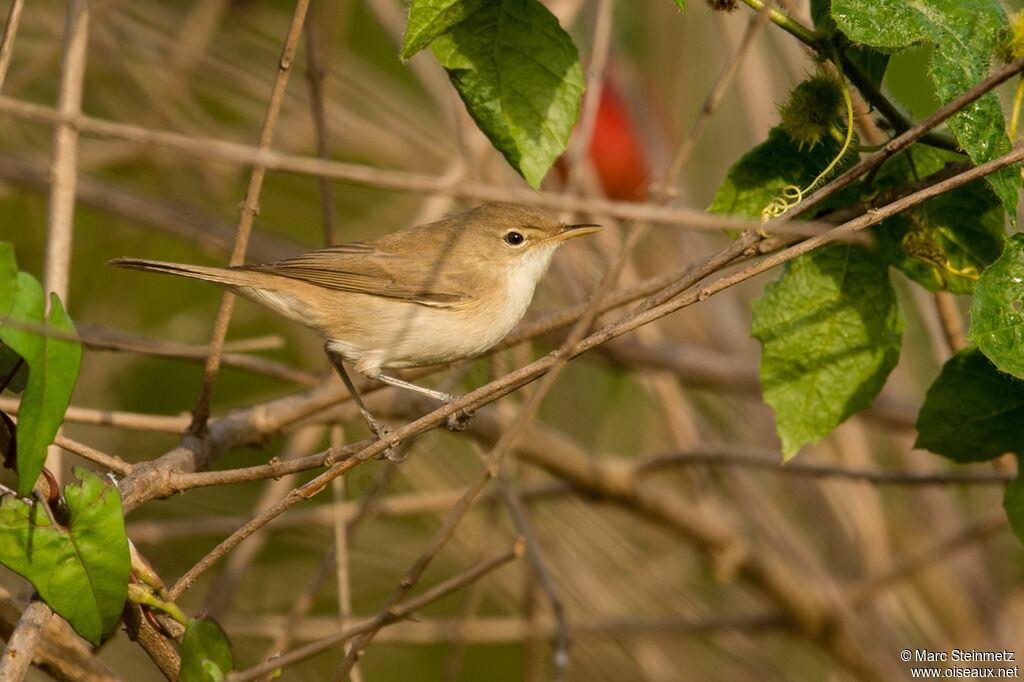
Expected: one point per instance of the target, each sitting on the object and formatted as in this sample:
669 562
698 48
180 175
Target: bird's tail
222 276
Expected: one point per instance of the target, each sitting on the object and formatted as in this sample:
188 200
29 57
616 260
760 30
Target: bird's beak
570 231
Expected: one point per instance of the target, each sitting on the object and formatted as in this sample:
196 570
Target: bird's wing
366 269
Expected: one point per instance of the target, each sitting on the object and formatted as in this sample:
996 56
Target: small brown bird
429 294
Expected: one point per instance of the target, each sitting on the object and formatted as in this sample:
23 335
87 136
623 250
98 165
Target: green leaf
972 411
964 33
871 62
205 652
430 18
681 4
1013 502
763 172
519 75
997 320
830 331
53 370
80 570
946 242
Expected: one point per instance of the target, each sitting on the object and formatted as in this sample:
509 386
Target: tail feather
222 276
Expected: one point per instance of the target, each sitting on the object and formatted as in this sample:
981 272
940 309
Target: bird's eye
514 238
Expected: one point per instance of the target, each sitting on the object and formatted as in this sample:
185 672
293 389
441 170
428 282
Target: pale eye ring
514 238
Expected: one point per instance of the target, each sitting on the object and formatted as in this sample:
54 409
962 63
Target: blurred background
882 566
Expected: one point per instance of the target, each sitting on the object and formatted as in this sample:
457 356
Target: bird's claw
384 433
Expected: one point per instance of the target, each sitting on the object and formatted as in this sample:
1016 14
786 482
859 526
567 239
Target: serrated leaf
430 18
997 319
972 411
964 33
53 364
1013 502
205 652
519 75
946 242
80 570
763 172
830 331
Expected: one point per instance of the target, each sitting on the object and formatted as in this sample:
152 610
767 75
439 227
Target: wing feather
362 268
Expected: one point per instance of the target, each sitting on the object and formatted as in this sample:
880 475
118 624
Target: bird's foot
385 434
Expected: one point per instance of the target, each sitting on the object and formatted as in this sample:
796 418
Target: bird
423 295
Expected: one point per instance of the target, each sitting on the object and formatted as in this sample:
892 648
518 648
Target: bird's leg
379 429
458 421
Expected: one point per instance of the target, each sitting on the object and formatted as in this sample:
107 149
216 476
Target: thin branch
115 418
315 80
714 97
23 642
771 460
516 630
399 612
60 213
248 211
108 462
943 550
421 183
952 322
788 24
7 40
595 85
540 569
180 220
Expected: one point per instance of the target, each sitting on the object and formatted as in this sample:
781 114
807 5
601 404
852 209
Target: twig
421 183
952 323
533 553
22 643
395 614
943 550
714 97
115 418
60 211
182 221
248 211
516 630
391 506
595 85
61 654
109 462
224 584
315 80
771 460
7 40
105 340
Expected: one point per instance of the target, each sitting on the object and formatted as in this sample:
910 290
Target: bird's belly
398 334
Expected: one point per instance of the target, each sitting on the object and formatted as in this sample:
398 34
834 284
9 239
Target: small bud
811 108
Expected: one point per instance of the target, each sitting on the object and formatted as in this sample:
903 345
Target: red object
617 150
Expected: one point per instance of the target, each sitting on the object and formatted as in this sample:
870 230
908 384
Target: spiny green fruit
811 109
